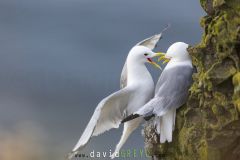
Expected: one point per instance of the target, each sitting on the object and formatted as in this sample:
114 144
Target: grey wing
151 43
108 114
171 91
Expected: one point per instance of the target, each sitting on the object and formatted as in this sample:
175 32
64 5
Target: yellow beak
166 60
162 57
159 54
156 65
153 63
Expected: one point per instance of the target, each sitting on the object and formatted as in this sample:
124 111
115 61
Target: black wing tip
165 28
147 118
74 153
71 155
130 117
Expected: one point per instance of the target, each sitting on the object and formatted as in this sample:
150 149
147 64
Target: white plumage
171 91
137 88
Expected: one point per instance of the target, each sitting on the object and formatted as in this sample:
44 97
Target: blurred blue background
59 58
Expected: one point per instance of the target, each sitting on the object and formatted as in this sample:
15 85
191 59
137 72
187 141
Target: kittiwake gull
137 88
171 91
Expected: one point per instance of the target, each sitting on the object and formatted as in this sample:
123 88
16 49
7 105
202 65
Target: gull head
141 54
178 51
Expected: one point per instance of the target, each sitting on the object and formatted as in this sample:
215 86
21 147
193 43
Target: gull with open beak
137 88
171 91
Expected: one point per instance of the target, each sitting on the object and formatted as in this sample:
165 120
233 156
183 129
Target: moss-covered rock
208 126
236 96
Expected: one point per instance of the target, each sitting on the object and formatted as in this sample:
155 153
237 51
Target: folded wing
171 91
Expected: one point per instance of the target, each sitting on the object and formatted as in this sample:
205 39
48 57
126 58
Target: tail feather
157 124
165 125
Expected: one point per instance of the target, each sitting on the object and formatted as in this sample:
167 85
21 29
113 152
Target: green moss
236 96
217 3
208 126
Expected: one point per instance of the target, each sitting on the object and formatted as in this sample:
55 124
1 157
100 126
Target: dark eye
145 54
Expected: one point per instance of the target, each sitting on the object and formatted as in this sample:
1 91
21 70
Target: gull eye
145 54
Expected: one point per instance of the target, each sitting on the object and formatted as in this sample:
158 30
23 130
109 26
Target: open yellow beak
166 60
153 63
162 57
159 54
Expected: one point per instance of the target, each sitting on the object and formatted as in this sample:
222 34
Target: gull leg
129 127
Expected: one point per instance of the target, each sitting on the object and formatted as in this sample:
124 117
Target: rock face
208 126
